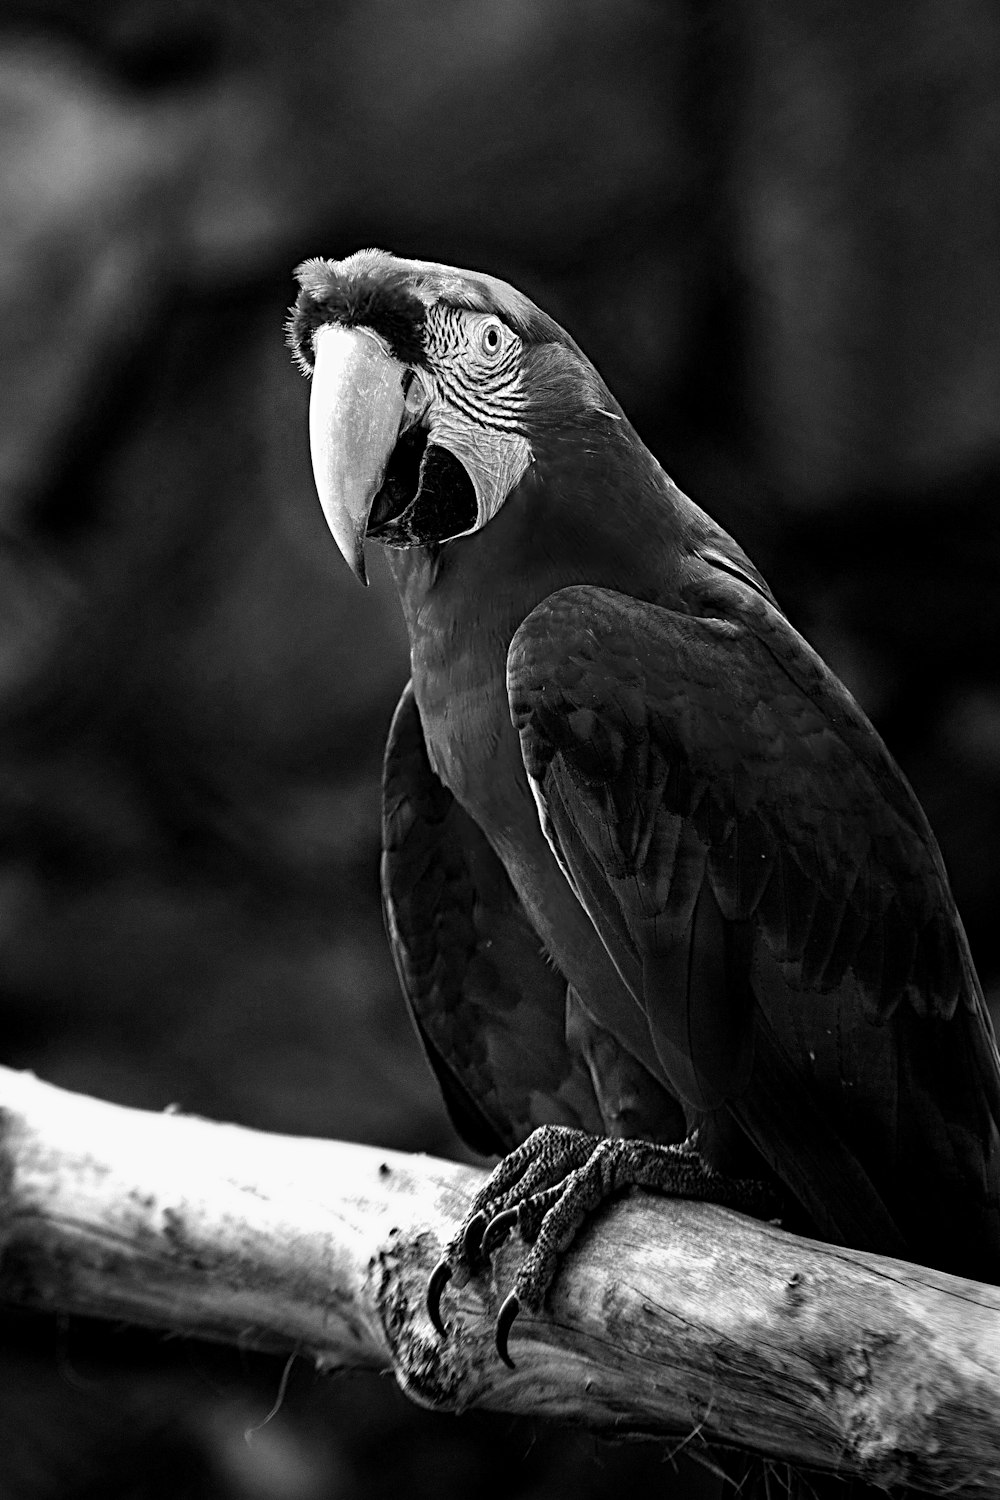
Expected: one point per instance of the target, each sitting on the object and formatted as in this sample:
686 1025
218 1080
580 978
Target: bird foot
546 1188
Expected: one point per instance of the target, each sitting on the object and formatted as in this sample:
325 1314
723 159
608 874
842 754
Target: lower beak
355 412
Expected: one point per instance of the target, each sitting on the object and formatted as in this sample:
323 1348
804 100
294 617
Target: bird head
432 391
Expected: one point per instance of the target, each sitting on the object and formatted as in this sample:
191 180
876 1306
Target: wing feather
489 1008
772 894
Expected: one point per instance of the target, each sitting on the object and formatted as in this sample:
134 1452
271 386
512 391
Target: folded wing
488 1006
770 891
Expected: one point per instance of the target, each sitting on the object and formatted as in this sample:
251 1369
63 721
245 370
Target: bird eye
491 337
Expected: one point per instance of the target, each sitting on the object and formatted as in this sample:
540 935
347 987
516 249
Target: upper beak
355 412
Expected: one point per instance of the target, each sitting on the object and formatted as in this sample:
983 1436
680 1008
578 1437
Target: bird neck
615 521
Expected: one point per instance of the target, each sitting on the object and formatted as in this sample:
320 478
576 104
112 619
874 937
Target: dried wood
670 1318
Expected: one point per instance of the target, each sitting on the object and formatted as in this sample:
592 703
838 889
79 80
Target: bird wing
488 1006
769 889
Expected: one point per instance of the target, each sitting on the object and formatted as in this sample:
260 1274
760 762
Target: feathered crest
377 290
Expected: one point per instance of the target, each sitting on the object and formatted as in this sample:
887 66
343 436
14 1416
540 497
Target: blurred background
773 224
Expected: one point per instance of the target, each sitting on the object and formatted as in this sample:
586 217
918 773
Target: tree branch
669 1318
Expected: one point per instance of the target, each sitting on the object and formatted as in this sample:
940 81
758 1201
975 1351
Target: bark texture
669 1318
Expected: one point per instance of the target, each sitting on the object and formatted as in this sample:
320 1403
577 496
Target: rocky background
773 225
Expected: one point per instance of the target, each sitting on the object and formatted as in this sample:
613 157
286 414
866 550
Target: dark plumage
648 868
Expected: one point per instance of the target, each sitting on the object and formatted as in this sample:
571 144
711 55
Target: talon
439 1279
497 1231
473 1238
505 1318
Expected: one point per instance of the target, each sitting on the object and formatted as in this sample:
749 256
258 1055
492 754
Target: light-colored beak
355 412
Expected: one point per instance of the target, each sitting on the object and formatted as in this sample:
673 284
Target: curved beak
355 411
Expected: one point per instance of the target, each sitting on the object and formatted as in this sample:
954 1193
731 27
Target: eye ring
491 340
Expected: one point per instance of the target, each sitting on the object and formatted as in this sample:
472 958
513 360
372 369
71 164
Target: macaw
664 908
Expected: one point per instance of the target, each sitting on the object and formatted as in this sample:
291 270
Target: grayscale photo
499 750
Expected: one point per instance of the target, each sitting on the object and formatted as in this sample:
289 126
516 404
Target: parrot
664 909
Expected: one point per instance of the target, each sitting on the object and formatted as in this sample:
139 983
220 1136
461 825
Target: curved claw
473 1238
439 1279
505 1319
497 1230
